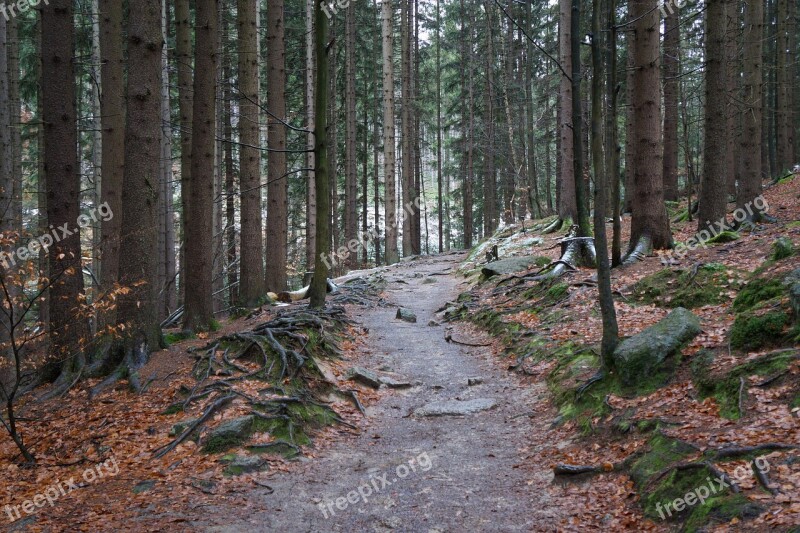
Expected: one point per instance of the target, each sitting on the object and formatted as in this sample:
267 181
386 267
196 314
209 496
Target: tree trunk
319 284
350 177
567 205
581 193
489 180
311 194
278 188
167 292
185 61
784 66
388 133
649 217
752 98
439 188
69 330
199 312
713 185
671 70
138 237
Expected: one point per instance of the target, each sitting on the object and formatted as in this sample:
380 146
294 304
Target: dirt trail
466 474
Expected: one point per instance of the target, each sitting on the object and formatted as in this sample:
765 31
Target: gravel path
408 472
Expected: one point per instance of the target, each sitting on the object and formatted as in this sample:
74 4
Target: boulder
511 265
364 376
639 358
229 434
406 315
456 407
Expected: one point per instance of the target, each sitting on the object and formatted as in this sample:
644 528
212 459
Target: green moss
724 237
721 509
750 331
663 452
543 261
756 291
557 291
725 389
795 402
782 248
175 338
709 285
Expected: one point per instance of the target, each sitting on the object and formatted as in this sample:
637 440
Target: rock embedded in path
406 315
364 376
474 381
640 358
394 383
456 407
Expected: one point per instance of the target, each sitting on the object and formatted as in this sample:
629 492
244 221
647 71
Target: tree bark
649 218
567 204
199 312
713 185
752 99
138 237
388 133
278 188
350 177
671 71
69 330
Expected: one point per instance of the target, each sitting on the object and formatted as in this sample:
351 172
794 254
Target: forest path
468 471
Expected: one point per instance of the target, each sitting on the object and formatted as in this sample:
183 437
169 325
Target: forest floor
507 412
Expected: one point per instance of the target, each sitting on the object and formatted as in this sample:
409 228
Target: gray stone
638 358
456 407
394 383
143 486
242 464
230 433
406 315
511 265
474 381
433 324
364 376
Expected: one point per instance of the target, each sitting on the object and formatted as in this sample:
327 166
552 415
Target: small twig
741 395
762 478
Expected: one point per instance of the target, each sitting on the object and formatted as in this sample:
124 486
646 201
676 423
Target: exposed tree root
553 227
644 247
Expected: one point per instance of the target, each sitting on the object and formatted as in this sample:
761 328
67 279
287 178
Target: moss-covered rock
782 248
751 331
757 291
640 357
229 434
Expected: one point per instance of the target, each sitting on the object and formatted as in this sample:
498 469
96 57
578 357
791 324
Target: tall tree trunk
185 61
784 66
649 217
407 170
567 204
713 185
199 312
231 248
138 265
489 180
167 293
752 99
606 297
612 142
581 193
388 133
350 177
311 194
278 188
671 70
69 329
439 200
319 283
